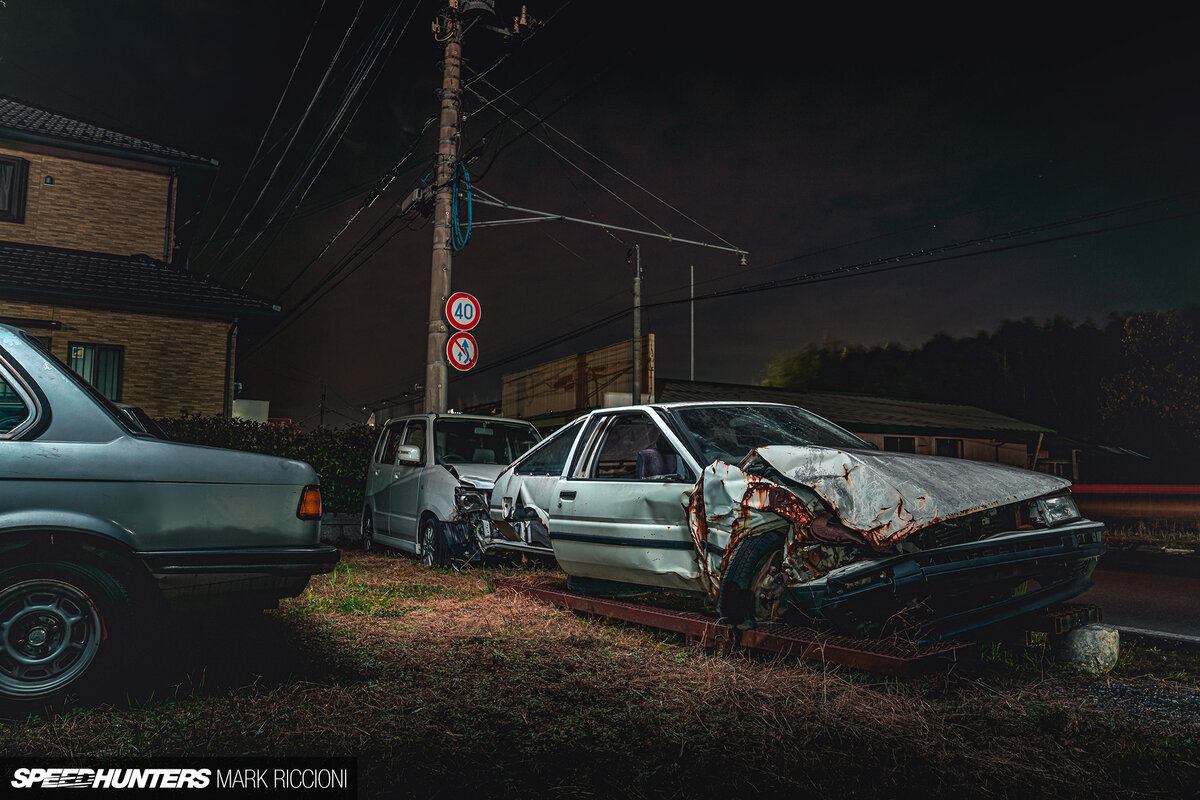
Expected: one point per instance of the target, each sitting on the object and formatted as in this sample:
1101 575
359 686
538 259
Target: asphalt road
1149 594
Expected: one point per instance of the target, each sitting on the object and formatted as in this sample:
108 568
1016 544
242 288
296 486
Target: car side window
389 442
414 434
633 448
550 458
14 410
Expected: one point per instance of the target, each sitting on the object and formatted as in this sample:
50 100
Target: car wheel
752 586
433 545
367 530
59 624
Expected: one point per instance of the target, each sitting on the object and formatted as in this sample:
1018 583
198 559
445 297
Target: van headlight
469 500
1057 509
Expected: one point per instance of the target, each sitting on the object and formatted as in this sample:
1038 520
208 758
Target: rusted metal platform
883 656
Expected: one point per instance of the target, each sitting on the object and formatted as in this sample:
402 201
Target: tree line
1131 381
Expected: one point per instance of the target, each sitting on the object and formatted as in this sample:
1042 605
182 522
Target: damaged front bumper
939 593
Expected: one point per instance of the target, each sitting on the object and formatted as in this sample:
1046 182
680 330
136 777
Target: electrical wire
377 44
274 114
320 88
333 148
823 276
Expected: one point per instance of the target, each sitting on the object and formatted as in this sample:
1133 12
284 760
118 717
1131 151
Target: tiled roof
79 277
24 121
856 412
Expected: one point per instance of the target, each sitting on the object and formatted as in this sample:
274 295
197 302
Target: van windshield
481 441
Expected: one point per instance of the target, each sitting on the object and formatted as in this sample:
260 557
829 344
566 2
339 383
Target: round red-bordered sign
461 351
462 311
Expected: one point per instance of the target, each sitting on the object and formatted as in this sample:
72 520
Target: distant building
87 222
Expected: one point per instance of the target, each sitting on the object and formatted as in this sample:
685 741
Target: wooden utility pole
636 252
448 30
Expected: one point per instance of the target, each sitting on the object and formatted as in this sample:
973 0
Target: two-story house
87 222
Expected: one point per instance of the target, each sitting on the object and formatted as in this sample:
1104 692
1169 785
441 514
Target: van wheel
60 624
434 551
752 586
367 531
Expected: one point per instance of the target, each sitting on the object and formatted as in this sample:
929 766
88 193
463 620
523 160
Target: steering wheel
453 458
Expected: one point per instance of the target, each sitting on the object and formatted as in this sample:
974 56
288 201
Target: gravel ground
1152 699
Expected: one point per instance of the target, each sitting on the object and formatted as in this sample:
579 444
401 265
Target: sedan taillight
310 503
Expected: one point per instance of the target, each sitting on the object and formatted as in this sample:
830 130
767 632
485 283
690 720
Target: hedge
340 455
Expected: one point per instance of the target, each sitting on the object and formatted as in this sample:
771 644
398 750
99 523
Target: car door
404 489
379 473
619 513
530 484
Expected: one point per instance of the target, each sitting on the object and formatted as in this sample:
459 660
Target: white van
430 481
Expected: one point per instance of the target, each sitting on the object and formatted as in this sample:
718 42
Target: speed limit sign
462 311
462 351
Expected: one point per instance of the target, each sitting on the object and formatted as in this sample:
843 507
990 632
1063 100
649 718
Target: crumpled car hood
888 496
481 476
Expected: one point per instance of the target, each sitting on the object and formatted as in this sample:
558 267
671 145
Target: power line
291 141
333 149
836 273
357 79
266 131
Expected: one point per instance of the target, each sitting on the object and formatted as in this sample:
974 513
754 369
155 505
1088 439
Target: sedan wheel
53 620
752 587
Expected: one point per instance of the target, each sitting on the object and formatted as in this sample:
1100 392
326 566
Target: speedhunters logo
286 777
80 778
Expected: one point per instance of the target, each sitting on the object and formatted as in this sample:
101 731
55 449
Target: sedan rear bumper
314 560
947 591
254 576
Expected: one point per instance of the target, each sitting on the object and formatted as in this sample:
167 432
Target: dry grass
442 687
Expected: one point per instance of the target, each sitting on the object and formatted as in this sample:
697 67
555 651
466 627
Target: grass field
442 687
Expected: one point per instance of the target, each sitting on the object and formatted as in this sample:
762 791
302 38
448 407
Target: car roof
480 417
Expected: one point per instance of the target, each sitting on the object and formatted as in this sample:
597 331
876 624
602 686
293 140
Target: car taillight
310 503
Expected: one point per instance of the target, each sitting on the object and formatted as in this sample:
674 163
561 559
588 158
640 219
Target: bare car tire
751 585
61 624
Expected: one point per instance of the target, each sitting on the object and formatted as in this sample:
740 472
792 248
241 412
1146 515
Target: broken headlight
1057 509
469 500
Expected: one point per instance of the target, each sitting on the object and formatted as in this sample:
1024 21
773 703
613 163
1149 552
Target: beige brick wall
94 204
171 365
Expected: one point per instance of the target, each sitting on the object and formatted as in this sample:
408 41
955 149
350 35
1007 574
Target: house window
14 175
900 444
99 365
949 448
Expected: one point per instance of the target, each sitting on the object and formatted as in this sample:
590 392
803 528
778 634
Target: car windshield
730 432
481 441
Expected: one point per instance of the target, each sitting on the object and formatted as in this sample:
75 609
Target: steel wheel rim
368 533
427 544
767 590
50 632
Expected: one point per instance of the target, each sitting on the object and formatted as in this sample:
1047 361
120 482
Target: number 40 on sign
462 311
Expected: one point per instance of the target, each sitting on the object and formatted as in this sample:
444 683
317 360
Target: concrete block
1092 648
341 529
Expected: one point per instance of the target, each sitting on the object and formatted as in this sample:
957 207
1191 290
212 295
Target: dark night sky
847 135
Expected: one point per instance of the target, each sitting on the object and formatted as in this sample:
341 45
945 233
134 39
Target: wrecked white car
773 512
428 484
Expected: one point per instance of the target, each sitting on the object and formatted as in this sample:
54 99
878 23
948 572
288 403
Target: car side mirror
408 454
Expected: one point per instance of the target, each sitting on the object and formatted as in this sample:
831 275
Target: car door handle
566 495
